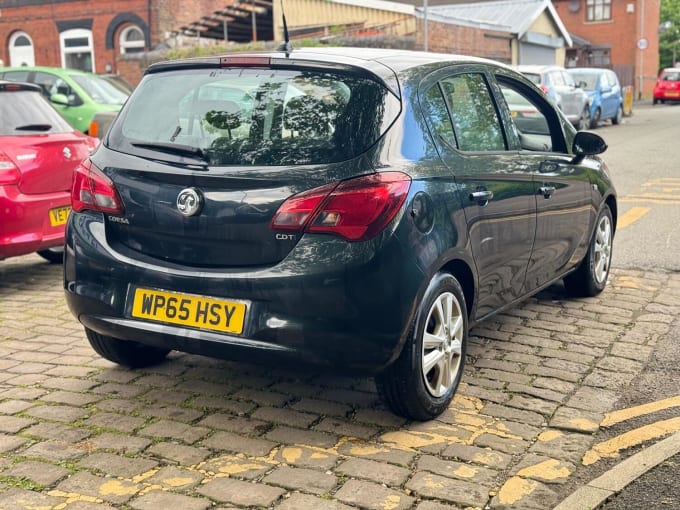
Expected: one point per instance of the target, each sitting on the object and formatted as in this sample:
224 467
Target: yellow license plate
59 215
673 94
189 310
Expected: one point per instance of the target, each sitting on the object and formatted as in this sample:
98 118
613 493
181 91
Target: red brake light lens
9 173
93 190
357 209
545 88
245 61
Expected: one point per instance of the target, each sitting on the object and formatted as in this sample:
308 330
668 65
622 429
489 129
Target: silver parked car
560 86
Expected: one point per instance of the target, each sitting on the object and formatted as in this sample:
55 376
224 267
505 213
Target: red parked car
667 86
39 151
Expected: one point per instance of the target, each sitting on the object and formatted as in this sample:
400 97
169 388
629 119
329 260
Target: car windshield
590 79
27 112
100 90
255 116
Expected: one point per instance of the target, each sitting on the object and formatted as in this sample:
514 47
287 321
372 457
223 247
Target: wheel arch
463 273
613 207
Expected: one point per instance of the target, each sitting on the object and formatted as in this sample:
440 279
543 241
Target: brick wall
447 38
628 24
40 23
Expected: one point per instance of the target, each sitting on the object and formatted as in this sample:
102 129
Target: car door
608 94
496 194
561 187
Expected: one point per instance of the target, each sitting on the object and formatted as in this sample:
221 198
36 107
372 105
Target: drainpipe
641 50
425 24
148 22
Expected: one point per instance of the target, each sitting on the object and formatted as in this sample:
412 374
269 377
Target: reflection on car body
360 208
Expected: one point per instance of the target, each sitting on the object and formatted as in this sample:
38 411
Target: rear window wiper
34 127
173 148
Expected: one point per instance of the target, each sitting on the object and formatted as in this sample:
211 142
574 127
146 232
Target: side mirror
59 99
588 144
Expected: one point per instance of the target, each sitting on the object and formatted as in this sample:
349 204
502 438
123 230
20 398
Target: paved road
540 398
77 432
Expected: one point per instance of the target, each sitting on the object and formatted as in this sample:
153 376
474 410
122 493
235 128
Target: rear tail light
9 173
93 190
357 209
545 89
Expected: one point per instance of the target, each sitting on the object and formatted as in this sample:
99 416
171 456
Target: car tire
591 276
125 352
423 380
584 119
53 255
595 119
618 117
655 100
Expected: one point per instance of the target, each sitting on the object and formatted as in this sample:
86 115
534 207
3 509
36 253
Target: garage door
535 54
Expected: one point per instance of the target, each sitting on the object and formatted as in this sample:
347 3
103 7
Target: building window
597 57
131 40
598 10
77 50
21 52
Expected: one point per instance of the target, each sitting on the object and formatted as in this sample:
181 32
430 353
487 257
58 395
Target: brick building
617 34
93 34
511 31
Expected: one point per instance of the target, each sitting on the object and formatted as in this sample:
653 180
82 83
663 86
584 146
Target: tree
669 33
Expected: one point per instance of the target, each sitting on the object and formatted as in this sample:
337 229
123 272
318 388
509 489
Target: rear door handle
546 191
481 196
549 167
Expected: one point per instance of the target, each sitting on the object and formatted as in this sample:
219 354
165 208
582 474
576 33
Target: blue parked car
603 86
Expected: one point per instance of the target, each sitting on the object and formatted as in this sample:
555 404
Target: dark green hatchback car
359 208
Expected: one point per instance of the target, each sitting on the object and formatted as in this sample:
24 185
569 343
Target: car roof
12 86
47 69
383 63
591 70
537 68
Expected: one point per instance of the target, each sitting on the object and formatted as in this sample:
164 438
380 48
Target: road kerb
617 478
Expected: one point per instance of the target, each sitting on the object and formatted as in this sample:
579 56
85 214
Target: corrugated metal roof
514 16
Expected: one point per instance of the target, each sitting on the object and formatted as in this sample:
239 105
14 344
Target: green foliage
669 33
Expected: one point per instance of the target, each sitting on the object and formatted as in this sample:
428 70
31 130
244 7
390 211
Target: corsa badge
189 202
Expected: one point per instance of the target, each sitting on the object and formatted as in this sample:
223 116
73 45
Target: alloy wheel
442 344
603 248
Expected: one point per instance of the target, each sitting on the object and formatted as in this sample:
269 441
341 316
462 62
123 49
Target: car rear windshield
255 116
589 79
27 113
671 75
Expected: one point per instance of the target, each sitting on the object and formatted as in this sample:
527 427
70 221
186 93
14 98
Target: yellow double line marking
667 192
613 446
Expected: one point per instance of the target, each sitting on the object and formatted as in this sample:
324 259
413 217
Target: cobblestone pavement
79 433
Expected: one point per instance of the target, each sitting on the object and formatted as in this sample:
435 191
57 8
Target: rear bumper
25 223
328 301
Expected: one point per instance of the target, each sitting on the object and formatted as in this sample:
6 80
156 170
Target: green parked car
77 95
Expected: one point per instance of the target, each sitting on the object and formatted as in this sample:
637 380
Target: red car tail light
93 190
545 88
9 173
357 209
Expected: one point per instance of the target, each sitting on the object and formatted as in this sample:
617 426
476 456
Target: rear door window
255 116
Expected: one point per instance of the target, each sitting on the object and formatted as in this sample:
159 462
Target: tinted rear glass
255 116
27 112
671 75
590 79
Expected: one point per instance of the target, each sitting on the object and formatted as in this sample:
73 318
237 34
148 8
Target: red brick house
93 34
617 34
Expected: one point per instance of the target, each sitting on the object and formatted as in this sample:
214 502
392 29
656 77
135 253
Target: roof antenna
286 45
